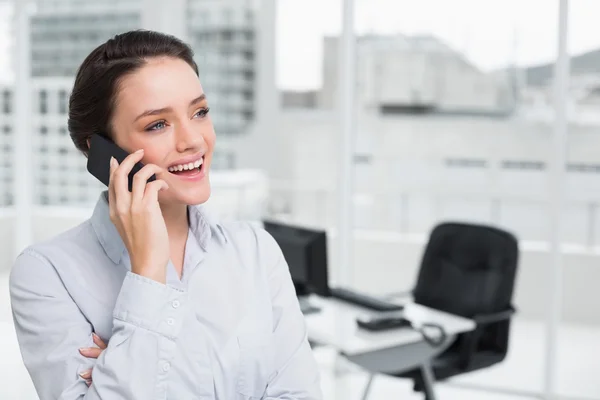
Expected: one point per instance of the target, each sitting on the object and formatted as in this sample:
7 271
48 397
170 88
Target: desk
388 351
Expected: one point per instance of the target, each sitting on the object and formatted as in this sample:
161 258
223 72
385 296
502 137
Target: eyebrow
158 111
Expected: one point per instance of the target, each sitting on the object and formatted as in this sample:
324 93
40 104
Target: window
584 168
525 165
7 102
62 102
43 102
362 159
466 163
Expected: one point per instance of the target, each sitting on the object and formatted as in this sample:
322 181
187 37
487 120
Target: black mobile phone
383 323
98 163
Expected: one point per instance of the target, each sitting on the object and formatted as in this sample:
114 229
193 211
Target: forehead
161 82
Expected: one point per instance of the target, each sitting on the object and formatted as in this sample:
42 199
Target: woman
189 309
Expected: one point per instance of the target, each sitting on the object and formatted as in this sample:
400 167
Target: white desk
386 351
335 325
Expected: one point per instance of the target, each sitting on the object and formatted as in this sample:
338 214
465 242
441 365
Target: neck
176 220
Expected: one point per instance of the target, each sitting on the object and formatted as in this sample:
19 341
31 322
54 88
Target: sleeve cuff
150 305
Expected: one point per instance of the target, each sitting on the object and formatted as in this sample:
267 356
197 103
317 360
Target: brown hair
97 82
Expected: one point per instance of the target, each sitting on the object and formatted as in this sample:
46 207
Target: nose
189 138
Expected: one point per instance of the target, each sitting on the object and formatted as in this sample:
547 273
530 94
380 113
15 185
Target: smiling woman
149 298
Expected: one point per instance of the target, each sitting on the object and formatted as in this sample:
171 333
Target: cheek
210 138
154 155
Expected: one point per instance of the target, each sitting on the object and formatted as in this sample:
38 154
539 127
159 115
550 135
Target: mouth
188 169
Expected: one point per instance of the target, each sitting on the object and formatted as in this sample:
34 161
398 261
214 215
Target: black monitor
305 251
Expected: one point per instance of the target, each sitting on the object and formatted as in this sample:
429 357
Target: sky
491 33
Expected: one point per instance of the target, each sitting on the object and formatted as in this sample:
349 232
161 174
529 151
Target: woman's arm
297 373
51 329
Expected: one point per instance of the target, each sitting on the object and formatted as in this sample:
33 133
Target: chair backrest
467 269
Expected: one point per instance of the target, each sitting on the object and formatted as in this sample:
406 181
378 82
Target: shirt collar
113 245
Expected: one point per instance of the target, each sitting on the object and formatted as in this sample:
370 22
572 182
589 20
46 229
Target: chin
190 196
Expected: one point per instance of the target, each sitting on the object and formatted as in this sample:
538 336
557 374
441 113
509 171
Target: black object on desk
364 300
305 251
387 322
383 323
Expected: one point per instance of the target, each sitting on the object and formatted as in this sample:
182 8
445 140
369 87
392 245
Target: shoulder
59 252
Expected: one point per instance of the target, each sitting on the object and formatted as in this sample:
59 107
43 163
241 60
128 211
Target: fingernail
84 350
140 151
113 162
95 336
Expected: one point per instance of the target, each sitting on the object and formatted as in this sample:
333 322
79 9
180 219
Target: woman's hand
138 217
92 352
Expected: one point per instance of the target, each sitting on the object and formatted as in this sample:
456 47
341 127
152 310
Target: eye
157 126
201 113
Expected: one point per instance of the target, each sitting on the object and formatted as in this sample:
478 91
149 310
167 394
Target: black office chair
468 270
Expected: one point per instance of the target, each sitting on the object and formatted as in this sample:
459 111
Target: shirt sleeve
297 372
51 329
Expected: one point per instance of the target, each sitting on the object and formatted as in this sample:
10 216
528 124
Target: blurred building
6 145
303 100
222 34
414 74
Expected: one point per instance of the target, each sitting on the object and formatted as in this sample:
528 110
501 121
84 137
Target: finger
91 352
140 180
152 189
98 342
89 383
111 187
121 177
87 375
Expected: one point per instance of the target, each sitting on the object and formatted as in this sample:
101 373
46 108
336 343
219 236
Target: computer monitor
305 251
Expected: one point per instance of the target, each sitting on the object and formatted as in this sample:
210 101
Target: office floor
579 363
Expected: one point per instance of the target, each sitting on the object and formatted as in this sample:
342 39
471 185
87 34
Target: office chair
468 270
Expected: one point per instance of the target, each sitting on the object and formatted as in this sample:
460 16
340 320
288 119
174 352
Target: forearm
147 321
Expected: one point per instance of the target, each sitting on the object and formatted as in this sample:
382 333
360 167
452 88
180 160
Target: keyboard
363 300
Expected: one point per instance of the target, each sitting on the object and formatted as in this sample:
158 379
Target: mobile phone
383 323
98 163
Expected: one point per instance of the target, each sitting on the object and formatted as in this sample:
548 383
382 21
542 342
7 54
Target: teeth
186 167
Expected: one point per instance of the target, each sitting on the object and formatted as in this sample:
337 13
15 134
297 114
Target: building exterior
400 74
221 33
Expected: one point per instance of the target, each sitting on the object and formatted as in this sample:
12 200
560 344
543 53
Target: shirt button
166 367
170 321
175 304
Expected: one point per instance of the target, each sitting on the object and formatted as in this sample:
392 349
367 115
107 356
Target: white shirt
230 329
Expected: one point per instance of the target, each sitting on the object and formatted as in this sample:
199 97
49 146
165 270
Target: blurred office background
456 113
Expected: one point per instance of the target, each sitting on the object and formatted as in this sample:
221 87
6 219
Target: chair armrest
486 319
471 339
